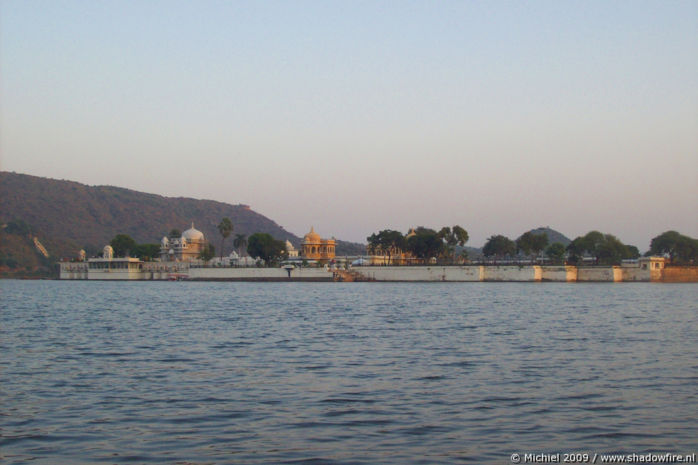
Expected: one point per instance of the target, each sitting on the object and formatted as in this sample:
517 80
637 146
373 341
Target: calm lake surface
343 373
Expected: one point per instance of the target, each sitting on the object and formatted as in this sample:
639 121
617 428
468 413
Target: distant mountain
68 216
553 236
349 248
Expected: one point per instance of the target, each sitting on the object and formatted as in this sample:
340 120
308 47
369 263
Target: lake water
343 373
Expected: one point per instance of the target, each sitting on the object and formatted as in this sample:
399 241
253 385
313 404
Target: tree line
423 243
258 245
426 244
595 247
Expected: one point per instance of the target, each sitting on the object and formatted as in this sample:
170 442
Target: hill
19 256
553 236
68 216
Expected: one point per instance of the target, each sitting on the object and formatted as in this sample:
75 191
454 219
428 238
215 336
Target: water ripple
362 373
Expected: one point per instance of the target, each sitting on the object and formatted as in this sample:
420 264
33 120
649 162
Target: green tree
175 233
688 250
538 244
264 246
459 235
446 236
123 245
387 242
373 244
531 244
632 252
444 233
556 252
575 250
592 242
499 247
680 248
391 242
605 249
611 251
452 237
225 227
426 243
146 251
240 243
207 253
523 243
588 245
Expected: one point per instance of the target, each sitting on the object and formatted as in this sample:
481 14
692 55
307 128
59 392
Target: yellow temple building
313 247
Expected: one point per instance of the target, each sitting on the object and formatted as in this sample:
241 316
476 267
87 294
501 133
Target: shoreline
181 271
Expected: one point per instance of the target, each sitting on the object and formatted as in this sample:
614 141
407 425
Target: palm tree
240 242
459 236
225 227
453 236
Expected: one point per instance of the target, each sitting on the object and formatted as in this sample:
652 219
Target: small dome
193 234
108 252
312 236
165 241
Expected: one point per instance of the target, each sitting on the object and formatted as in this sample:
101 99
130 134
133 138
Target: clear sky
357 116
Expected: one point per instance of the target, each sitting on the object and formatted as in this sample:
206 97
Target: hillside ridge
67 216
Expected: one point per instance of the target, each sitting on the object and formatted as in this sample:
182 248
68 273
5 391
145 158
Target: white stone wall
420 273
599 273
528 273
451 273
559 273
635 274
512 273
258 273
462 273
472 273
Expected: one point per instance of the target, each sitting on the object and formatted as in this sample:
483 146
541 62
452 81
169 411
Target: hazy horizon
496 116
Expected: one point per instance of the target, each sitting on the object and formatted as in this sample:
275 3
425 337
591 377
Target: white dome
107 252
193 234
165 241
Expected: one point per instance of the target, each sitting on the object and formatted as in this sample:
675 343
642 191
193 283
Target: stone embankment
526 273
161 271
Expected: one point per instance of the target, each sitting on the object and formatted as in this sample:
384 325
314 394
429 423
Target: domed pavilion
314 247
183 249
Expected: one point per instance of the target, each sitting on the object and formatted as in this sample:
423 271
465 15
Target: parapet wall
511 273
420 273
600 274
679 274
469 273
259 274
559 273
527 273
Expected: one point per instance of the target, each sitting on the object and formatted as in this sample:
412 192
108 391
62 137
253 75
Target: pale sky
356 116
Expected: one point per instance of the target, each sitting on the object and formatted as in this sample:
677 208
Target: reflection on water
358 373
